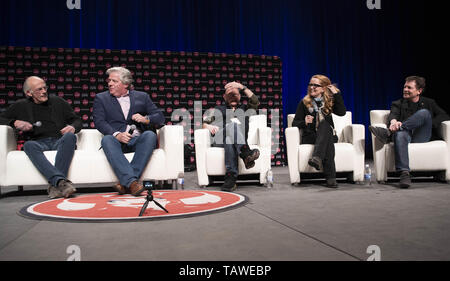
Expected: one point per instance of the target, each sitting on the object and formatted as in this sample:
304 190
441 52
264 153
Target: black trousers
323 140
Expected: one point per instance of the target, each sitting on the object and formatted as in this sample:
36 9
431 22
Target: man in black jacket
413 119
48 123
229 125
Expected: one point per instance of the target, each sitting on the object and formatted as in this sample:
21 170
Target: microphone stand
148 186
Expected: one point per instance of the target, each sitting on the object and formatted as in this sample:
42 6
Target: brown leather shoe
120 189
136 188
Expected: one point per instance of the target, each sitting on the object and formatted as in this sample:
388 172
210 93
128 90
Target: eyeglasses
314 85
40 89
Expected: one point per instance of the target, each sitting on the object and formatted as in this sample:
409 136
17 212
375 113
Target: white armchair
89 164
211 160
349 149
429 156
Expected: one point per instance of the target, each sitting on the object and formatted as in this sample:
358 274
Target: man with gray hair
47 123
128 119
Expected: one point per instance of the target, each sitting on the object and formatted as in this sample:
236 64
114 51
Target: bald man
229 124
47 123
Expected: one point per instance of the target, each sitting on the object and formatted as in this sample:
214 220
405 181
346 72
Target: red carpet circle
105 207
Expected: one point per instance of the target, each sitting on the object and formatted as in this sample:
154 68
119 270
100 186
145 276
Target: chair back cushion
379 116
340 122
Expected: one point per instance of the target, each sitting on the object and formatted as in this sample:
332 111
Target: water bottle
269 179
367 175
180 180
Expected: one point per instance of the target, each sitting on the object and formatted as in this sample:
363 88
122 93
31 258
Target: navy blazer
108 115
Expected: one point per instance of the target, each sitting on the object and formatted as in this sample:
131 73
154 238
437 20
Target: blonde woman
313 117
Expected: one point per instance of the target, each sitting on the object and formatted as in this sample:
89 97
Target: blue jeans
415 129
142 146
234 140
65 147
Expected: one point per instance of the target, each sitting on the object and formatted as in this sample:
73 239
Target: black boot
381 134
249 156
332 183
315 162
229 183
405 179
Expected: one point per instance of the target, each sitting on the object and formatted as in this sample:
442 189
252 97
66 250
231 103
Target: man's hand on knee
123 137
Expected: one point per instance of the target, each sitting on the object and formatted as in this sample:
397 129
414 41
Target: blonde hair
327 95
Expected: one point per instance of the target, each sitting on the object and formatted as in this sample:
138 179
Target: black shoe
249 156
332 183
381 134
315 162
405 179
229 183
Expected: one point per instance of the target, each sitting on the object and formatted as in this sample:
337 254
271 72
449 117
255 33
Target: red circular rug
111 207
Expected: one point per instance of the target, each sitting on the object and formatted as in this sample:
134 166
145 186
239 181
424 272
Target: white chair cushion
422 156
344 157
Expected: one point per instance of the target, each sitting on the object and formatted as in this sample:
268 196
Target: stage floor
303 222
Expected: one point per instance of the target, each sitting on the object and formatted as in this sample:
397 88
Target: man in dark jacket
128 119
48 123
229 124
413 119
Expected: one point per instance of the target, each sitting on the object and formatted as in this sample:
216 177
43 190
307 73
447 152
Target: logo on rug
114 207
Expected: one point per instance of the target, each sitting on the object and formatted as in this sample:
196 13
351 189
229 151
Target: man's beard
232 98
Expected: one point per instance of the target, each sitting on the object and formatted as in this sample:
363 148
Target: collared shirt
124 102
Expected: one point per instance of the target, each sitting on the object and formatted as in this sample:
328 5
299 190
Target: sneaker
229 183
66 188
54 192
381 134
405 179
249 156
315 162
332 183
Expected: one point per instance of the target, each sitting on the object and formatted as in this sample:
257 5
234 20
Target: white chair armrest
357 138
171 140
202 142
290 119
265 137
446 136
7 143
446 132
356 135
379 154
292 142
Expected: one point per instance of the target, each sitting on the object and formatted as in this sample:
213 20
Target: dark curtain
368 53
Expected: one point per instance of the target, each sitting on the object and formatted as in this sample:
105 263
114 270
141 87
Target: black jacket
402 109
61 112
310 129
